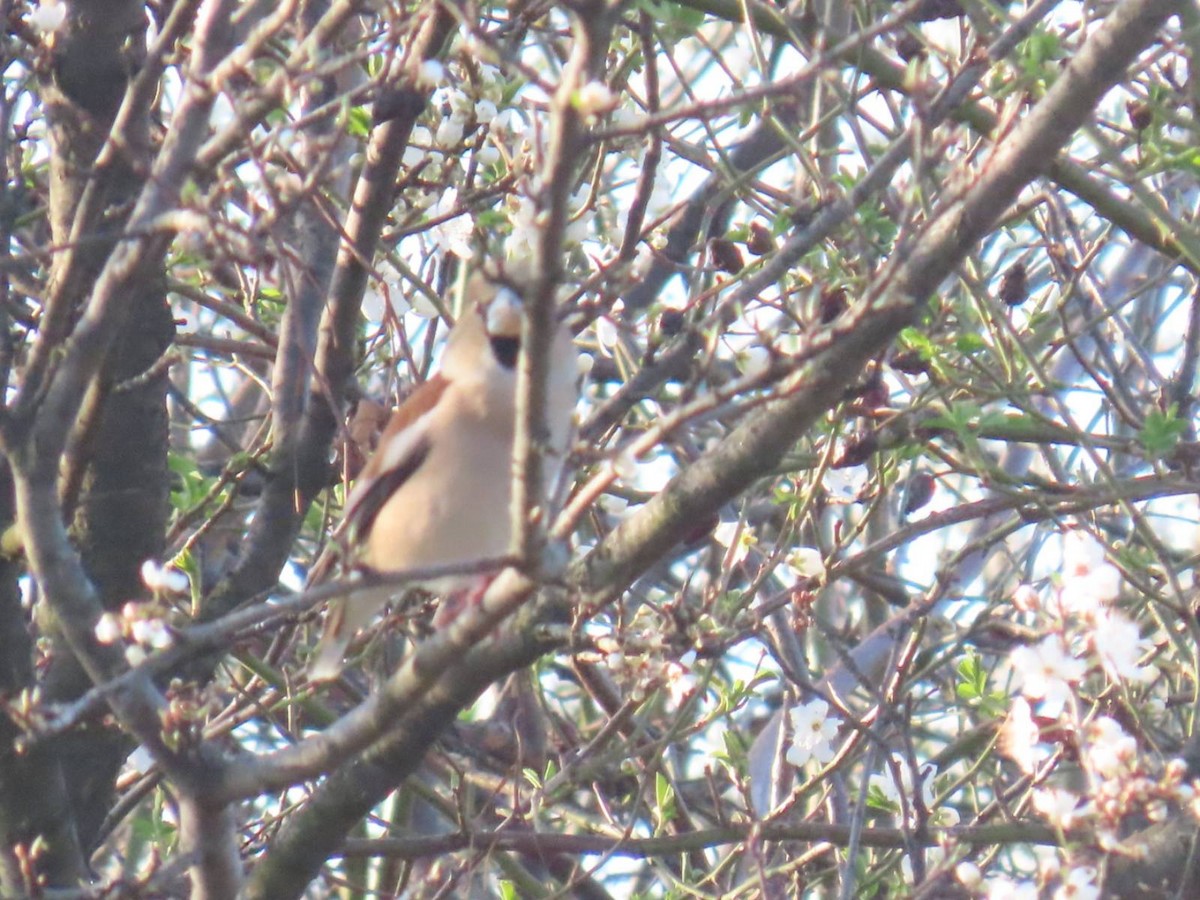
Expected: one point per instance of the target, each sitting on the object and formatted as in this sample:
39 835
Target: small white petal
485 111
49 16
431 73
488 154
595 98
968 874
422 306
108 628
151 633
807 561
450 132
1025 598
754 361
163 579
1081 553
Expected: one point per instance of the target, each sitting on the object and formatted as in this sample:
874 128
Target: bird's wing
403 449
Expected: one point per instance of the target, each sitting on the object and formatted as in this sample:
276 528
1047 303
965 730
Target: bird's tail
345 617
327 664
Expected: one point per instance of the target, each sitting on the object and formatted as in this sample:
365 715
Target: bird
437 491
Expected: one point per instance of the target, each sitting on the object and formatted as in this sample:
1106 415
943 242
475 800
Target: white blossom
736 537
454 234
579 223
485 111
1081 553
449 132
1109 749
607 335
1046 672
814 730
1088 580
108 628
488 155
524 234
163 579
625 117
150 632
807 561
1058 806
508 120
680 678
422 305
1080 884
1026 598
1020 740
846 484
1118 643
430 73
1002 888
968 874
754 360
594 99
49 16
419 142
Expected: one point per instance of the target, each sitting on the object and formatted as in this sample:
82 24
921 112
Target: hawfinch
438 489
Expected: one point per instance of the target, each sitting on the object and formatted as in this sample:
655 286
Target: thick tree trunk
116 476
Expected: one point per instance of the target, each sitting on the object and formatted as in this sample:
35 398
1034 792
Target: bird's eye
505 350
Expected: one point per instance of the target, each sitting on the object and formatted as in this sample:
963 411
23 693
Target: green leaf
664 796
734 754
674 17
190 486
970 342
1041 47
912 339
1161 431
973 679
358 121
186 562
877 800
488 219
961 418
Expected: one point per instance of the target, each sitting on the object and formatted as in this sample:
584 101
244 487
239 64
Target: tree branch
756 446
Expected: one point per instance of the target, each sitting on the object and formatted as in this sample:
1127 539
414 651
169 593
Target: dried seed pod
834 302
910 47
857 450
1014 286
670 323
725 255
875 391
760 241
918 492
910 362
1140 114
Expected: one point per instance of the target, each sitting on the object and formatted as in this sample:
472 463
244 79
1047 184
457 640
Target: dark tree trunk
115 484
